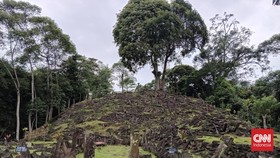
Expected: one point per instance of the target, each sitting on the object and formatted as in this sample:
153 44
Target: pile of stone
170 141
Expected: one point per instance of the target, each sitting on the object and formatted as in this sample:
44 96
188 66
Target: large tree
229 50
264 107
186 80
14 24
268 85
124 78
156 33
270 46
54 46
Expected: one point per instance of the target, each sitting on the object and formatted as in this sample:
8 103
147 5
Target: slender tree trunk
58 110
18 114
49 81
36 121
32 97
264 121
68 103
122 78
157 77
30 121
17 86
36 111
33 121
50 113
47 116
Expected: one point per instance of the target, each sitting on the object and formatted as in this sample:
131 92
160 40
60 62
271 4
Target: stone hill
164 122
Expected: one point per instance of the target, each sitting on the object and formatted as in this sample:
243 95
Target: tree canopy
228 50
156 33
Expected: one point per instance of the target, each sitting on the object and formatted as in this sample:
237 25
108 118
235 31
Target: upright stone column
134 145
225 144
89 147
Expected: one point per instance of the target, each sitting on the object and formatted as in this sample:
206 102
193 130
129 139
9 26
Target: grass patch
209 139
277 140
195 128
59 130
241 140
86 110
45 143
114 151
236 139
61 126
98 126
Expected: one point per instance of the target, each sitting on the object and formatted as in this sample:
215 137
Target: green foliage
75 70
57 73
270 46
225 95
114 152
228 50
85 75
8 98
124 77
269 85
186 80
100 84
262 88
265 105
150 32
146 87
129 83
14 24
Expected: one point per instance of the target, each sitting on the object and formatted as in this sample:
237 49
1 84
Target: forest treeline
42 74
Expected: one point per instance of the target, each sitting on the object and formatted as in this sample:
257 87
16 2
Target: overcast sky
89 23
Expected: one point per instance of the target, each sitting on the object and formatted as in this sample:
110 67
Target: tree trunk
58 110
156 73
73 101
49 86
157 86
68 103
32 97
47 116
36 119
122 82
157 77
30 121
50 112
162 81
17 86
264 121
18 114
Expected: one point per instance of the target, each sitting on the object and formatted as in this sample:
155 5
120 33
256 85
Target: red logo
262 140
